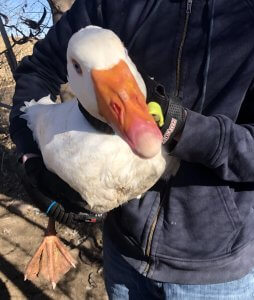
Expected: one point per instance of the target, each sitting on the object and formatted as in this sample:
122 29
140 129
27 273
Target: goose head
109 87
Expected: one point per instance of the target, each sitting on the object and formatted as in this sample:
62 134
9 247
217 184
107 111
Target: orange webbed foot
52 259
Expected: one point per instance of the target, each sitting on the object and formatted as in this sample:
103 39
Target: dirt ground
21 231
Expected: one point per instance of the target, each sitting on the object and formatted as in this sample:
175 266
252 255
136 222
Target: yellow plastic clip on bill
155 110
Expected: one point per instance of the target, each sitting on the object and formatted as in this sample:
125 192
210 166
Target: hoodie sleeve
44 71
220 144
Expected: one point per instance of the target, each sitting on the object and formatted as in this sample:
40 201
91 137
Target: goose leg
52 259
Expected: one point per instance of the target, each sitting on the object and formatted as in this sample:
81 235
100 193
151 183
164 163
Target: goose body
101 167
106 169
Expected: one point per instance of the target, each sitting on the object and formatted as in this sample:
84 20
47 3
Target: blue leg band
51 205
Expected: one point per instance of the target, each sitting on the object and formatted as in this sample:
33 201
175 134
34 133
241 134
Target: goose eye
77 67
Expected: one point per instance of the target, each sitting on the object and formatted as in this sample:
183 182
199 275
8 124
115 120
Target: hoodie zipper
178 78
150 238
180 50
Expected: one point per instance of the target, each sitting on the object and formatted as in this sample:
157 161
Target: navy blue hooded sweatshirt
198 227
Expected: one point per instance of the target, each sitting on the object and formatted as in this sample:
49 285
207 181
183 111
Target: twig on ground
5 106
2 164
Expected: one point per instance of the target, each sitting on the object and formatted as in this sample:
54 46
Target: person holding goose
190 235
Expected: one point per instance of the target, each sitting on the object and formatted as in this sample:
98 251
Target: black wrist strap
155 91
56 211
174 121
174 113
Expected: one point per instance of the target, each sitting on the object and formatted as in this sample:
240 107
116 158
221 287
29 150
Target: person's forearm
30 84
220 144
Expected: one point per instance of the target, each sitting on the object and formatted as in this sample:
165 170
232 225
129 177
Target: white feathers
34 112
109 48
101 167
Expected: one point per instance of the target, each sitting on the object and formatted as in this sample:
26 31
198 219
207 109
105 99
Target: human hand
53 196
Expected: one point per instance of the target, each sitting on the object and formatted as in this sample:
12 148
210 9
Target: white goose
106 169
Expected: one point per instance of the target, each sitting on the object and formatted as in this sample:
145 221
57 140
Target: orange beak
123 105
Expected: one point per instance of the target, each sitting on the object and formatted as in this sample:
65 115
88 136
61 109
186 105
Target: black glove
174 114
55 197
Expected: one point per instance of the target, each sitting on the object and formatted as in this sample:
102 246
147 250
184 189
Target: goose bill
123 105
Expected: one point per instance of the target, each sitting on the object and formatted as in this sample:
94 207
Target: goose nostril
118 111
